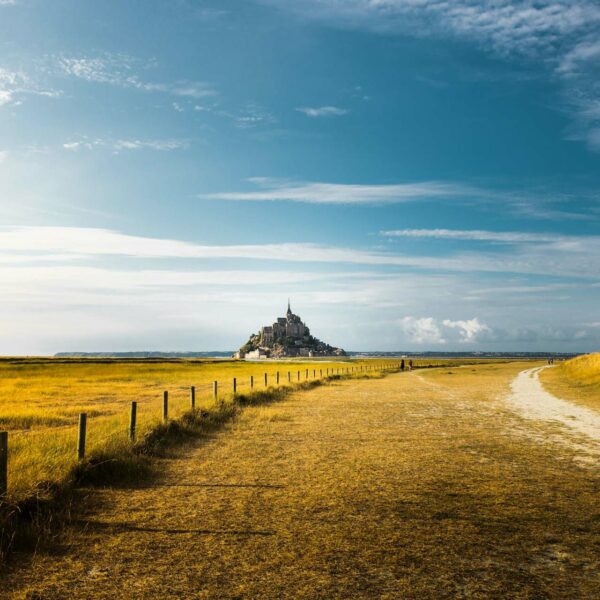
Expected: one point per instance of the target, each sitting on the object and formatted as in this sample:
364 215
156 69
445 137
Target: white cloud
338 193
576 60
508 237
323 111
522 26
568 258
120 70
6 97
422 331
3 156
469 330
429 330
8 2
250 116
16 84
125 144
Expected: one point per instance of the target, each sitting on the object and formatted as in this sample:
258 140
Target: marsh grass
576 380
40 400
43 470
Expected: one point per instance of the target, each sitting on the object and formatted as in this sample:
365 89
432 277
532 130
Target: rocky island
287 337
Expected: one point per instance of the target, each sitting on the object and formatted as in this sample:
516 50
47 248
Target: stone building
290 326
287 336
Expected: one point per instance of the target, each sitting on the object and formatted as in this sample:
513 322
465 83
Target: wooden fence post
289 377
251 381
193 397
298 375
234 385
132 420
306 377
165 406
266 380
314 373
3 463
321 373
81 436
215 389
277 377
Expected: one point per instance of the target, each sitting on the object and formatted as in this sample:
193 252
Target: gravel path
532 401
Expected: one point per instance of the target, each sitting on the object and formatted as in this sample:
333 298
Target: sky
413 175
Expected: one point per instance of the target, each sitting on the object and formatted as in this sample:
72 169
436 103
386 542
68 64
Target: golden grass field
420 485
40 400
576 380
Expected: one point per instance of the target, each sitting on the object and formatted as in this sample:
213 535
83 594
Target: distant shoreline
351 354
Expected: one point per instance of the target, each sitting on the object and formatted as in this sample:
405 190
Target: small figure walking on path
410 365
402 365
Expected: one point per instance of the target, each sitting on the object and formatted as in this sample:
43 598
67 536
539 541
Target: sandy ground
419 485
580 426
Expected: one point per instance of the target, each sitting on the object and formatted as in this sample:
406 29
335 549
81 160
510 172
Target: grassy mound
576 380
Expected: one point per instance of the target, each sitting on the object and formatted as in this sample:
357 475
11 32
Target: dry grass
419 485
40 401
576 380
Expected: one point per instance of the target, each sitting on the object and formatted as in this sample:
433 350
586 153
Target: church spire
289 310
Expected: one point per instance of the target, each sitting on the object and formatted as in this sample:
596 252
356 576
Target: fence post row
82 429
165 406
3 463
81 435
132 420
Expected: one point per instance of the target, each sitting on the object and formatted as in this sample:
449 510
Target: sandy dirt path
531 400
391 488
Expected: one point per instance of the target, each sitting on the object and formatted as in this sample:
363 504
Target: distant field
40 400
577 380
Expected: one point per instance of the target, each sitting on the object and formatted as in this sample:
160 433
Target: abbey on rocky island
288 336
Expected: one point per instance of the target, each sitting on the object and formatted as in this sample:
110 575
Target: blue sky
414 175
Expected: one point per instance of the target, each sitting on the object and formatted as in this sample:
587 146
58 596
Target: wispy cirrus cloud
122 70
118 145
526 27
323 111
15 85
339 193
507 237
573 258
